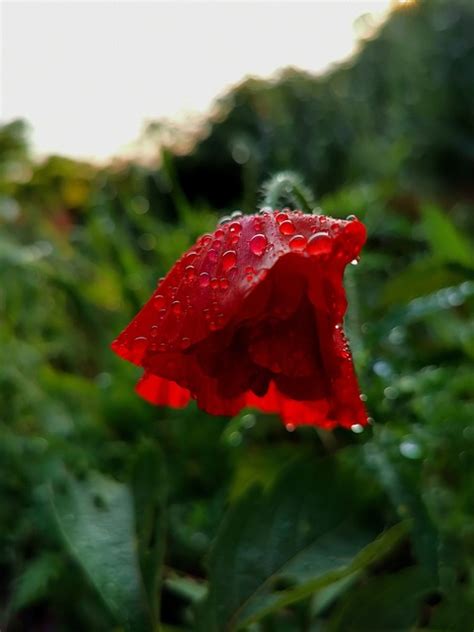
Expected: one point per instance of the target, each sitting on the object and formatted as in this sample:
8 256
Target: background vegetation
116 515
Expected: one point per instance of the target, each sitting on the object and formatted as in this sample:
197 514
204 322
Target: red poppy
252 316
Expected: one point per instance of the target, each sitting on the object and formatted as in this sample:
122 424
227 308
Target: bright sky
87 75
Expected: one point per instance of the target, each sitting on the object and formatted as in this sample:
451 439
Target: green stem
288 186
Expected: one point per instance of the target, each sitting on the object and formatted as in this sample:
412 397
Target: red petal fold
252 316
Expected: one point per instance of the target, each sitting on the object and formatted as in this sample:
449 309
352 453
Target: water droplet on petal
297 243
290 427
176 307
206 240
214 283
154 331
204 279
216 244
235 227
219 233
229 260
190 273
319 244
224 220
234 240
281 217
357 428
287 227
162 347
257 244
185 343
159 301
355 262
351 218
265 210
224 283
212 255
140 342
236 214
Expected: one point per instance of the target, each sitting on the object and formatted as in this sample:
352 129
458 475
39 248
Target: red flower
252 316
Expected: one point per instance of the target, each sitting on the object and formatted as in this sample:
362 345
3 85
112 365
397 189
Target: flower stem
289 186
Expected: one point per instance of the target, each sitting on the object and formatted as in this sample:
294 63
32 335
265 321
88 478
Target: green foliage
176 520
96 521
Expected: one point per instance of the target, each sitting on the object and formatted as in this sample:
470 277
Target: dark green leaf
383 604
96 519
277 548
447 243
149 494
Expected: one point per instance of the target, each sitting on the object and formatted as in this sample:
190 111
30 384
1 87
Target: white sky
86 75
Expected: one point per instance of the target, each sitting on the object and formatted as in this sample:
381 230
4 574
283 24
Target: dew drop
140 342
214 283
357 428
229 259
159 301
281 217
236 214
185 343
212 255
235 227
297 243
219 233
287 227
176 307
224 283
190 273
154 331
224 220
351 218
206 240
265 210
189 257
162 347
290 427
216 244
355 262
257 244
319 244
204 279
234 240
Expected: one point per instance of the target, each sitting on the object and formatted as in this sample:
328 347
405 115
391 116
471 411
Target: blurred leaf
420 278
455 613
447 243
383 604
35 580
277 548
96 520
186 587
404 493
149 493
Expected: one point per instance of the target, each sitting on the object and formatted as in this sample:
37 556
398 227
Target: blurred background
127 131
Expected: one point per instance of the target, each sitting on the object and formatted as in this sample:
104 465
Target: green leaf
277 548
447 243
383 604
149 494
35 580
403 492
96 520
